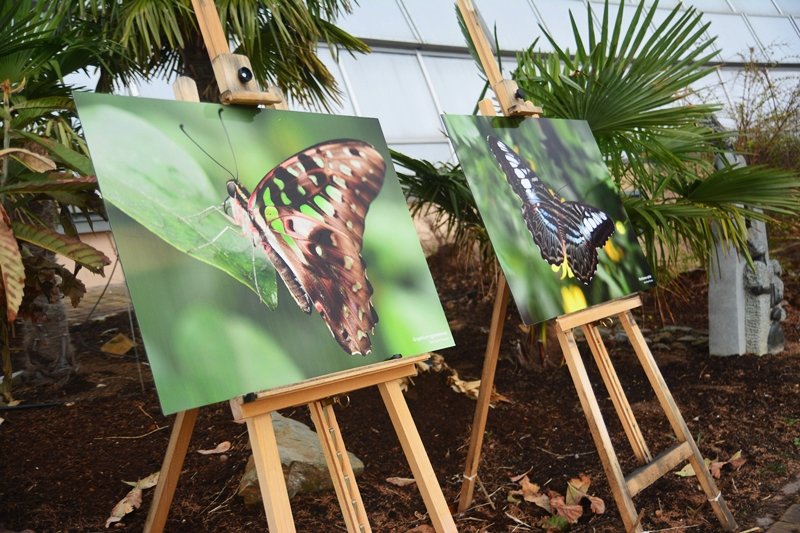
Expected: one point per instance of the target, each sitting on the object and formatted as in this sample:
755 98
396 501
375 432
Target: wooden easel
623 487
236 88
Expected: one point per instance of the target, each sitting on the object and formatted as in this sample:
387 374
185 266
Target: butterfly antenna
230 144
183 129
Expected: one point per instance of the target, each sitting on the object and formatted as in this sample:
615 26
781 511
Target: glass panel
456 81
556 19
708 90
789 7
627 15
433 152
156 88
706 6
346 106
777 34
435 21
755 7
378 20
517 26
391 87
733 37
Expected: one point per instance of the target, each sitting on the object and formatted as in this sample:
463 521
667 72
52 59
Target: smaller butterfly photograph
552 212
261 248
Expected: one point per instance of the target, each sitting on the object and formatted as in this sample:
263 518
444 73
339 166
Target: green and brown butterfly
307 214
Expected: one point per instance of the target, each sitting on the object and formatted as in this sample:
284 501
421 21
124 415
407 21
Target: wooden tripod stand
623 487
316 393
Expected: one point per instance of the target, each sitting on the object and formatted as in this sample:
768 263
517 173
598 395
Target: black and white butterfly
561 229
307 214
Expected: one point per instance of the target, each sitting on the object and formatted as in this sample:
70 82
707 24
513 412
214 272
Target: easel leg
676 420
170 470
344 480
485 393
620 401
417 458
270 473
597 426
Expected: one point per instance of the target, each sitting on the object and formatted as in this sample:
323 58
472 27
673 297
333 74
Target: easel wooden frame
623 487
318 393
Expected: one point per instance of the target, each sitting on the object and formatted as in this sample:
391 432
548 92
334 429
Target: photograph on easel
261 248
552 212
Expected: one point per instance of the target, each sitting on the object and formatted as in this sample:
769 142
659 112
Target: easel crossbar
325 387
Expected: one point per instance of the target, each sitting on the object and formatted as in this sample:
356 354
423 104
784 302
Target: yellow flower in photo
573 299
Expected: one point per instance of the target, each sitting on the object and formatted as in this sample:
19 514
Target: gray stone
726 302
302 460
776 341
792 514
777 290
784 527
777 269
758 279
757 239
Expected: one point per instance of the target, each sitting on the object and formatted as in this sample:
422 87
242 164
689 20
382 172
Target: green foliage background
208 334
566 158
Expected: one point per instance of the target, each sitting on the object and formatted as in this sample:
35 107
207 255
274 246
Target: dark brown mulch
63 466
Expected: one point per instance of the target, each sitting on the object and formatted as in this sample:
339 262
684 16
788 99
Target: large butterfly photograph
261 248
552 213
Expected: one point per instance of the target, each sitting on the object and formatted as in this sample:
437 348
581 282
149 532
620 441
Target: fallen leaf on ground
133 499
570 512
424 528
736 461
530 493
401 481
145 483
577 489
688 470
120 344
515 479
222 447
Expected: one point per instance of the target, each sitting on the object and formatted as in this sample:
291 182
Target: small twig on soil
146 414
752 530
567 455
676 528
137 437
518 521
486 493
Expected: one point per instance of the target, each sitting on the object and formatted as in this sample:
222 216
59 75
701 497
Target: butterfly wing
539 207
312 208
586 228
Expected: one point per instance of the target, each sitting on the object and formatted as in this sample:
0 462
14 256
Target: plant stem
6 128
5 387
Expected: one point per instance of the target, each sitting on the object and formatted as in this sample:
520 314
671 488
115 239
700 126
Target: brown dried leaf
35 162
530 493
222 447
131 501
401 481
515 479
120 344
598 506
577 489
12 272
737 461
571 512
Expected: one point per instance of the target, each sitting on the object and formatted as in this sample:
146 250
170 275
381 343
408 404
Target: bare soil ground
62 466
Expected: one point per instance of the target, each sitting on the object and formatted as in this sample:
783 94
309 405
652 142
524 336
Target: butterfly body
561 229
308 215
